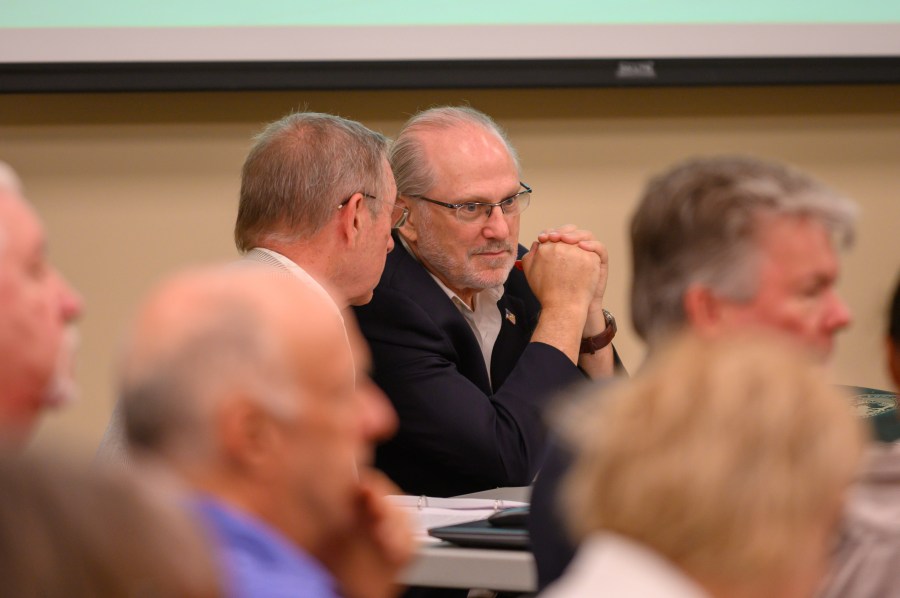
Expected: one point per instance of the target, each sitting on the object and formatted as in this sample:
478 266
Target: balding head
209 336
244 383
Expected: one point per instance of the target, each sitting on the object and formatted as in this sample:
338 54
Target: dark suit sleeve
455 436
553 551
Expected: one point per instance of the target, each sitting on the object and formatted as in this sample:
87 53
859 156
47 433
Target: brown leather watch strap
594 343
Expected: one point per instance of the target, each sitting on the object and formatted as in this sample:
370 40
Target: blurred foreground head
727 243
245 384
728 458
37 312
71 533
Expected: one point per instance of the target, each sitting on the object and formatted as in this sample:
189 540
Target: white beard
62 389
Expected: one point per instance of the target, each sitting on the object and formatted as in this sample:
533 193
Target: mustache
492 248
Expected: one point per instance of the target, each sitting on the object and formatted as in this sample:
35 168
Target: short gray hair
10 184
300 168
412 171
696 223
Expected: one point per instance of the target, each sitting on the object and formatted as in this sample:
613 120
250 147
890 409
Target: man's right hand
561 274
564 279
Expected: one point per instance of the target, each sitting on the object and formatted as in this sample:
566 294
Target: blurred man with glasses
468 346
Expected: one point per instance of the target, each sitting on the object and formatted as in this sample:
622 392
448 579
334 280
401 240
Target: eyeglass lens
510 206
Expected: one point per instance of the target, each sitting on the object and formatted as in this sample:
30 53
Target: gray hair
9 180
696 224
168 398
299 170
412 171
10 184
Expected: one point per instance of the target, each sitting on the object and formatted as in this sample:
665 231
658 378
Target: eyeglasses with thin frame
472 211
397 220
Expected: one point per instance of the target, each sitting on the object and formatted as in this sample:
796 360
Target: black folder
481 534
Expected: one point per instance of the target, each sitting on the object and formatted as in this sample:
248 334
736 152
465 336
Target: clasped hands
567 264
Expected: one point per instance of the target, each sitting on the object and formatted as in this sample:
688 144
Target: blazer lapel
419 284
515 334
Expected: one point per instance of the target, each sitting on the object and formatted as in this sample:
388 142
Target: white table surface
444 565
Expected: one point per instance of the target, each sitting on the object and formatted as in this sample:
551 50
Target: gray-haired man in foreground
244 386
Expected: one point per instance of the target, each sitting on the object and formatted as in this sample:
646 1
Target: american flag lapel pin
511 317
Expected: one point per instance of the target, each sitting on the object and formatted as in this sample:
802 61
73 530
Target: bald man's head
210 336
245 384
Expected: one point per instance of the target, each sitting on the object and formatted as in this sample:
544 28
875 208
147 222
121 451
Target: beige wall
132 186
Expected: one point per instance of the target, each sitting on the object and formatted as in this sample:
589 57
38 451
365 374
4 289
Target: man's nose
839 315
71 304
496 226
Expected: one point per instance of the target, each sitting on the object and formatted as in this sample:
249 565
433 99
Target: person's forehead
796 244
469 154
789 232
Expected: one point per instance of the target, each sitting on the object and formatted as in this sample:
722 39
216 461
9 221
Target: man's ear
349 218
703 310
247 433
409 229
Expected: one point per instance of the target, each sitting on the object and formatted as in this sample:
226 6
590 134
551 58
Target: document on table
426 512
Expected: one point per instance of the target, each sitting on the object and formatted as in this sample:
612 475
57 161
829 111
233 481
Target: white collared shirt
485 320
609 564
260 254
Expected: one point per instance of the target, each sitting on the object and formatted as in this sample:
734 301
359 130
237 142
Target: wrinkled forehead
465 151
796 245
775 233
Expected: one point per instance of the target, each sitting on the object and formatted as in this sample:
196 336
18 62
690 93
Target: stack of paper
426 512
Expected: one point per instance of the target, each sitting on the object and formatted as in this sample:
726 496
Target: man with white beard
38 309
469 346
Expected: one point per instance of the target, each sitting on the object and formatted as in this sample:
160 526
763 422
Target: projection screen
276 44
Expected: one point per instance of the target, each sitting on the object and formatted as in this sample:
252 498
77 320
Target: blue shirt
258 561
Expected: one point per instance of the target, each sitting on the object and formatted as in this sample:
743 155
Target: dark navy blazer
460 431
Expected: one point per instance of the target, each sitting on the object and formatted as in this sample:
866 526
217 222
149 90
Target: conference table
444 565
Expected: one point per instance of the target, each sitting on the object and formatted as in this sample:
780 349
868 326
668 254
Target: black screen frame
437 74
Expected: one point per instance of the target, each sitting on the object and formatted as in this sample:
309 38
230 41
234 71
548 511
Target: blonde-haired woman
719 472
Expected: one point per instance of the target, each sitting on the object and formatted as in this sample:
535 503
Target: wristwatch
592 344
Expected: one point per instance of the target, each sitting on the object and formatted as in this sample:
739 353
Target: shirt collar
263 543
